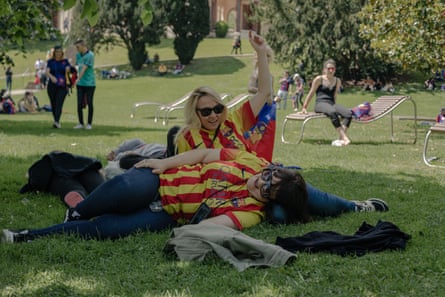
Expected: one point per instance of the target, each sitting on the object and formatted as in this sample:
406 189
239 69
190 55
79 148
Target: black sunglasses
266 176
205 112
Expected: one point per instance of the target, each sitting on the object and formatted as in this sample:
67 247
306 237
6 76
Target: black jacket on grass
384 236
61 164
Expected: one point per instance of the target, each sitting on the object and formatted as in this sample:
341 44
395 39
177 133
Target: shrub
185 49
221 29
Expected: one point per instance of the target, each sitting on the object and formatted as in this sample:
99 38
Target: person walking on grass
8 75
236 45
286 83
56 70
86 83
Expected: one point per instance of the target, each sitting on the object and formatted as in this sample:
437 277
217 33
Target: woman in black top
327 86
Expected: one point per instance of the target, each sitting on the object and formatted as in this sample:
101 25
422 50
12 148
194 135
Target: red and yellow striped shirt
221 184
242 130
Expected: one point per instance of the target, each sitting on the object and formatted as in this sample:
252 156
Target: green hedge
221 29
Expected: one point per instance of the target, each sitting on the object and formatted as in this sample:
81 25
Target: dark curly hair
291 194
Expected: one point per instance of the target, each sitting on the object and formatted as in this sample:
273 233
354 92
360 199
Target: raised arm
263 93
252 86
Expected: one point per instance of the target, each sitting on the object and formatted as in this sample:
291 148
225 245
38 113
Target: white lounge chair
381 107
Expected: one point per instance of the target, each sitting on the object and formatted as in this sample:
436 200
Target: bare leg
342 135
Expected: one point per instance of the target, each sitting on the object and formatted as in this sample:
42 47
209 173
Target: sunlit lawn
371 166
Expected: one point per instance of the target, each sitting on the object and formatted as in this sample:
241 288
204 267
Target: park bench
165 108
381 107
237 100
438 128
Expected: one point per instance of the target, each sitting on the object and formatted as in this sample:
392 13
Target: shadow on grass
320 141
42 128
200 66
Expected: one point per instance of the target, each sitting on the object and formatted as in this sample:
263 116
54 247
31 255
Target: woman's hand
111 155
158 165
257 42
304 110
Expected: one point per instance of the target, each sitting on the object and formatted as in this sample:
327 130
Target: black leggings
85 96
334 111
57 97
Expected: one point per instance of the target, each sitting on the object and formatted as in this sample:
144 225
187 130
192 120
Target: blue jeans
117 208
321 204
120 207
111 226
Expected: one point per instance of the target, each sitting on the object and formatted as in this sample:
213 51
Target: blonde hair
191 118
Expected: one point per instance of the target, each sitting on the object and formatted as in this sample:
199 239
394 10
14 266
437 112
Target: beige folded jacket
195 242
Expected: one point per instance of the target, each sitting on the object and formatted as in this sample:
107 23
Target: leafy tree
189 21
120 24
24 20
122 17
82 29
406 31
310 31
90 10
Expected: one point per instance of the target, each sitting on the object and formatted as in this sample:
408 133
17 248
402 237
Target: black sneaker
372 204
71 215
13 236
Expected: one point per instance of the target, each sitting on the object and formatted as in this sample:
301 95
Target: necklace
329 83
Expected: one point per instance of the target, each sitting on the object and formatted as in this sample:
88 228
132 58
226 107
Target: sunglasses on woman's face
205 112
266 176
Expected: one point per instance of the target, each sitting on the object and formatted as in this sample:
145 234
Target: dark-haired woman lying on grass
235 186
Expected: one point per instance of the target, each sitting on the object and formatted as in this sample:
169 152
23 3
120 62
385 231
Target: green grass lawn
371 166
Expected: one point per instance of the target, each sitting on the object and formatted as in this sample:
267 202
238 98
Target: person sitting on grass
441 116
234 188
162 70
29 103
178 68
